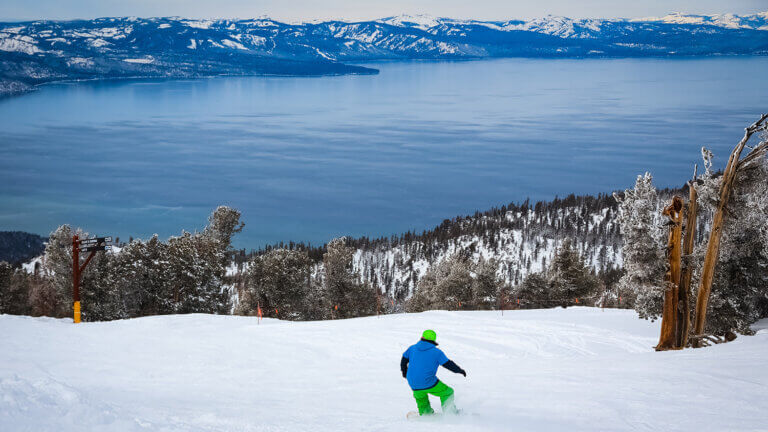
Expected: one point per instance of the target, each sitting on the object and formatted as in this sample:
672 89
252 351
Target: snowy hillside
757 21
17 246
579 369
522 239
43 51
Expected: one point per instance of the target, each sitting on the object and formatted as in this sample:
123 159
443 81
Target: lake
308 159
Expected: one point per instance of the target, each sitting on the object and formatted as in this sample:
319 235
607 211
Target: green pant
440 390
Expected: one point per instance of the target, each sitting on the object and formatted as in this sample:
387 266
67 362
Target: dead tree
668 339
683 324
713 246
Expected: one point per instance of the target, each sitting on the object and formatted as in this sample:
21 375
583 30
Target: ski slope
580 369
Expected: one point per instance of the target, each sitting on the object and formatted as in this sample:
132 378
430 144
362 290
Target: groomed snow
579 369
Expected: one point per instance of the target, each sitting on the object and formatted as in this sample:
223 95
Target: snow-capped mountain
43 51
757 21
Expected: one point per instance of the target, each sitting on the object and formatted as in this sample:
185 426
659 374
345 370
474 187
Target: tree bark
713 246
674 212
684 291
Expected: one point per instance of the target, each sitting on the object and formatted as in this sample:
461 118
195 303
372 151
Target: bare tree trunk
713 246
684 292
674 212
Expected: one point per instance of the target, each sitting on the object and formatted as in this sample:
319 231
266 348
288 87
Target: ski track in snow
578 369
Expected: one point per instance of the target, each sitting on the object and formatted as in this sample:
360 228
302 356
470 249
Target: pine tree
569 277
224 223
101 295
534 292
57 268
196 272
446 285
486 285
141 269
14 290
279 282
642 248
348 296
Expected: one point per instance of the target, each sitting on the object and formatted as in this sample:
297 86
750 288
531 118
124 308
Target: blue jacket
423 359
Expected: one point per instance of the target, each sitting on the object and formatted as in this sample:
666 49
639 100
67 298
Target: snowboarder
419 366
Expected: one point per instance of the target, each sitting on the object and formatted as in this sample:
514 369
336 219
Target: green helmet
429 335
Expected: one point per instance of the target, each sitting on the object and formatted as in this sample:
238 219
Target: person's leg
445 394
422 401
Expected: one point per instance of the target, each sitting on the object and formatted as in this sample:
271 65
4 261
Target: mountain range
33 53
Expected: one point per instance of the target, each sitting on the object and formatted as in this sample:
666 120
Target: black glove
405 374
453 367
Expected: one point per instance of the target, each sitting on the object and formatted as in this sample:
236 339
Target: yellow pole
77 312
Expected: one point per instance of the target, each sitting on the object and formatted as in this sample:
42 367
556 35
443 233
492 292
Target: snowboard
414 415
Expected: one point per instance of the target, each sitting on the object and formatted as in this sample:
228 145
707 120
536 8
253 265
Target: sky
305 10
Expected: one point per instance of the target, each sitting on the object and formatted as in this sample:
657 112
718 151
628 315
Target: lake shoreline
31 88
361 155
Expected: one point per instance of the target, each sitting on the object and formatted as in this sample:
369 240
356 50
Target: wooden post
713 246
76 278
93 245
667 338
684 292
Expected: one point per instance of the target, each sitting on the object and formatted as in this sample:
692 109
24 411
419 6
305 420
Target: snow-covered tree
196 264
568 275
458 283
196 274
533 292
566 279
57 268
739 295
446 285
346 293
100 293
642 248
278 281
224 223
486 284
141 270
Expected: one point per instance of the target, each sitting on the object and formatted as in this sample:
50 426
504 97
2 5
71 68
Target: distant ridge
38 52
18 246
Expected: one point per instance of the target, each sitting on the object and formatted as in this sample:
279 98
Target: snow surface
578 369
421 21
233 44
147 60
24 44
728 20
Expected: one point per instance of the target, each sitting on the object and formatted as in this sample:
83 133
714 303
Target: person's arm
404 366
453 367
